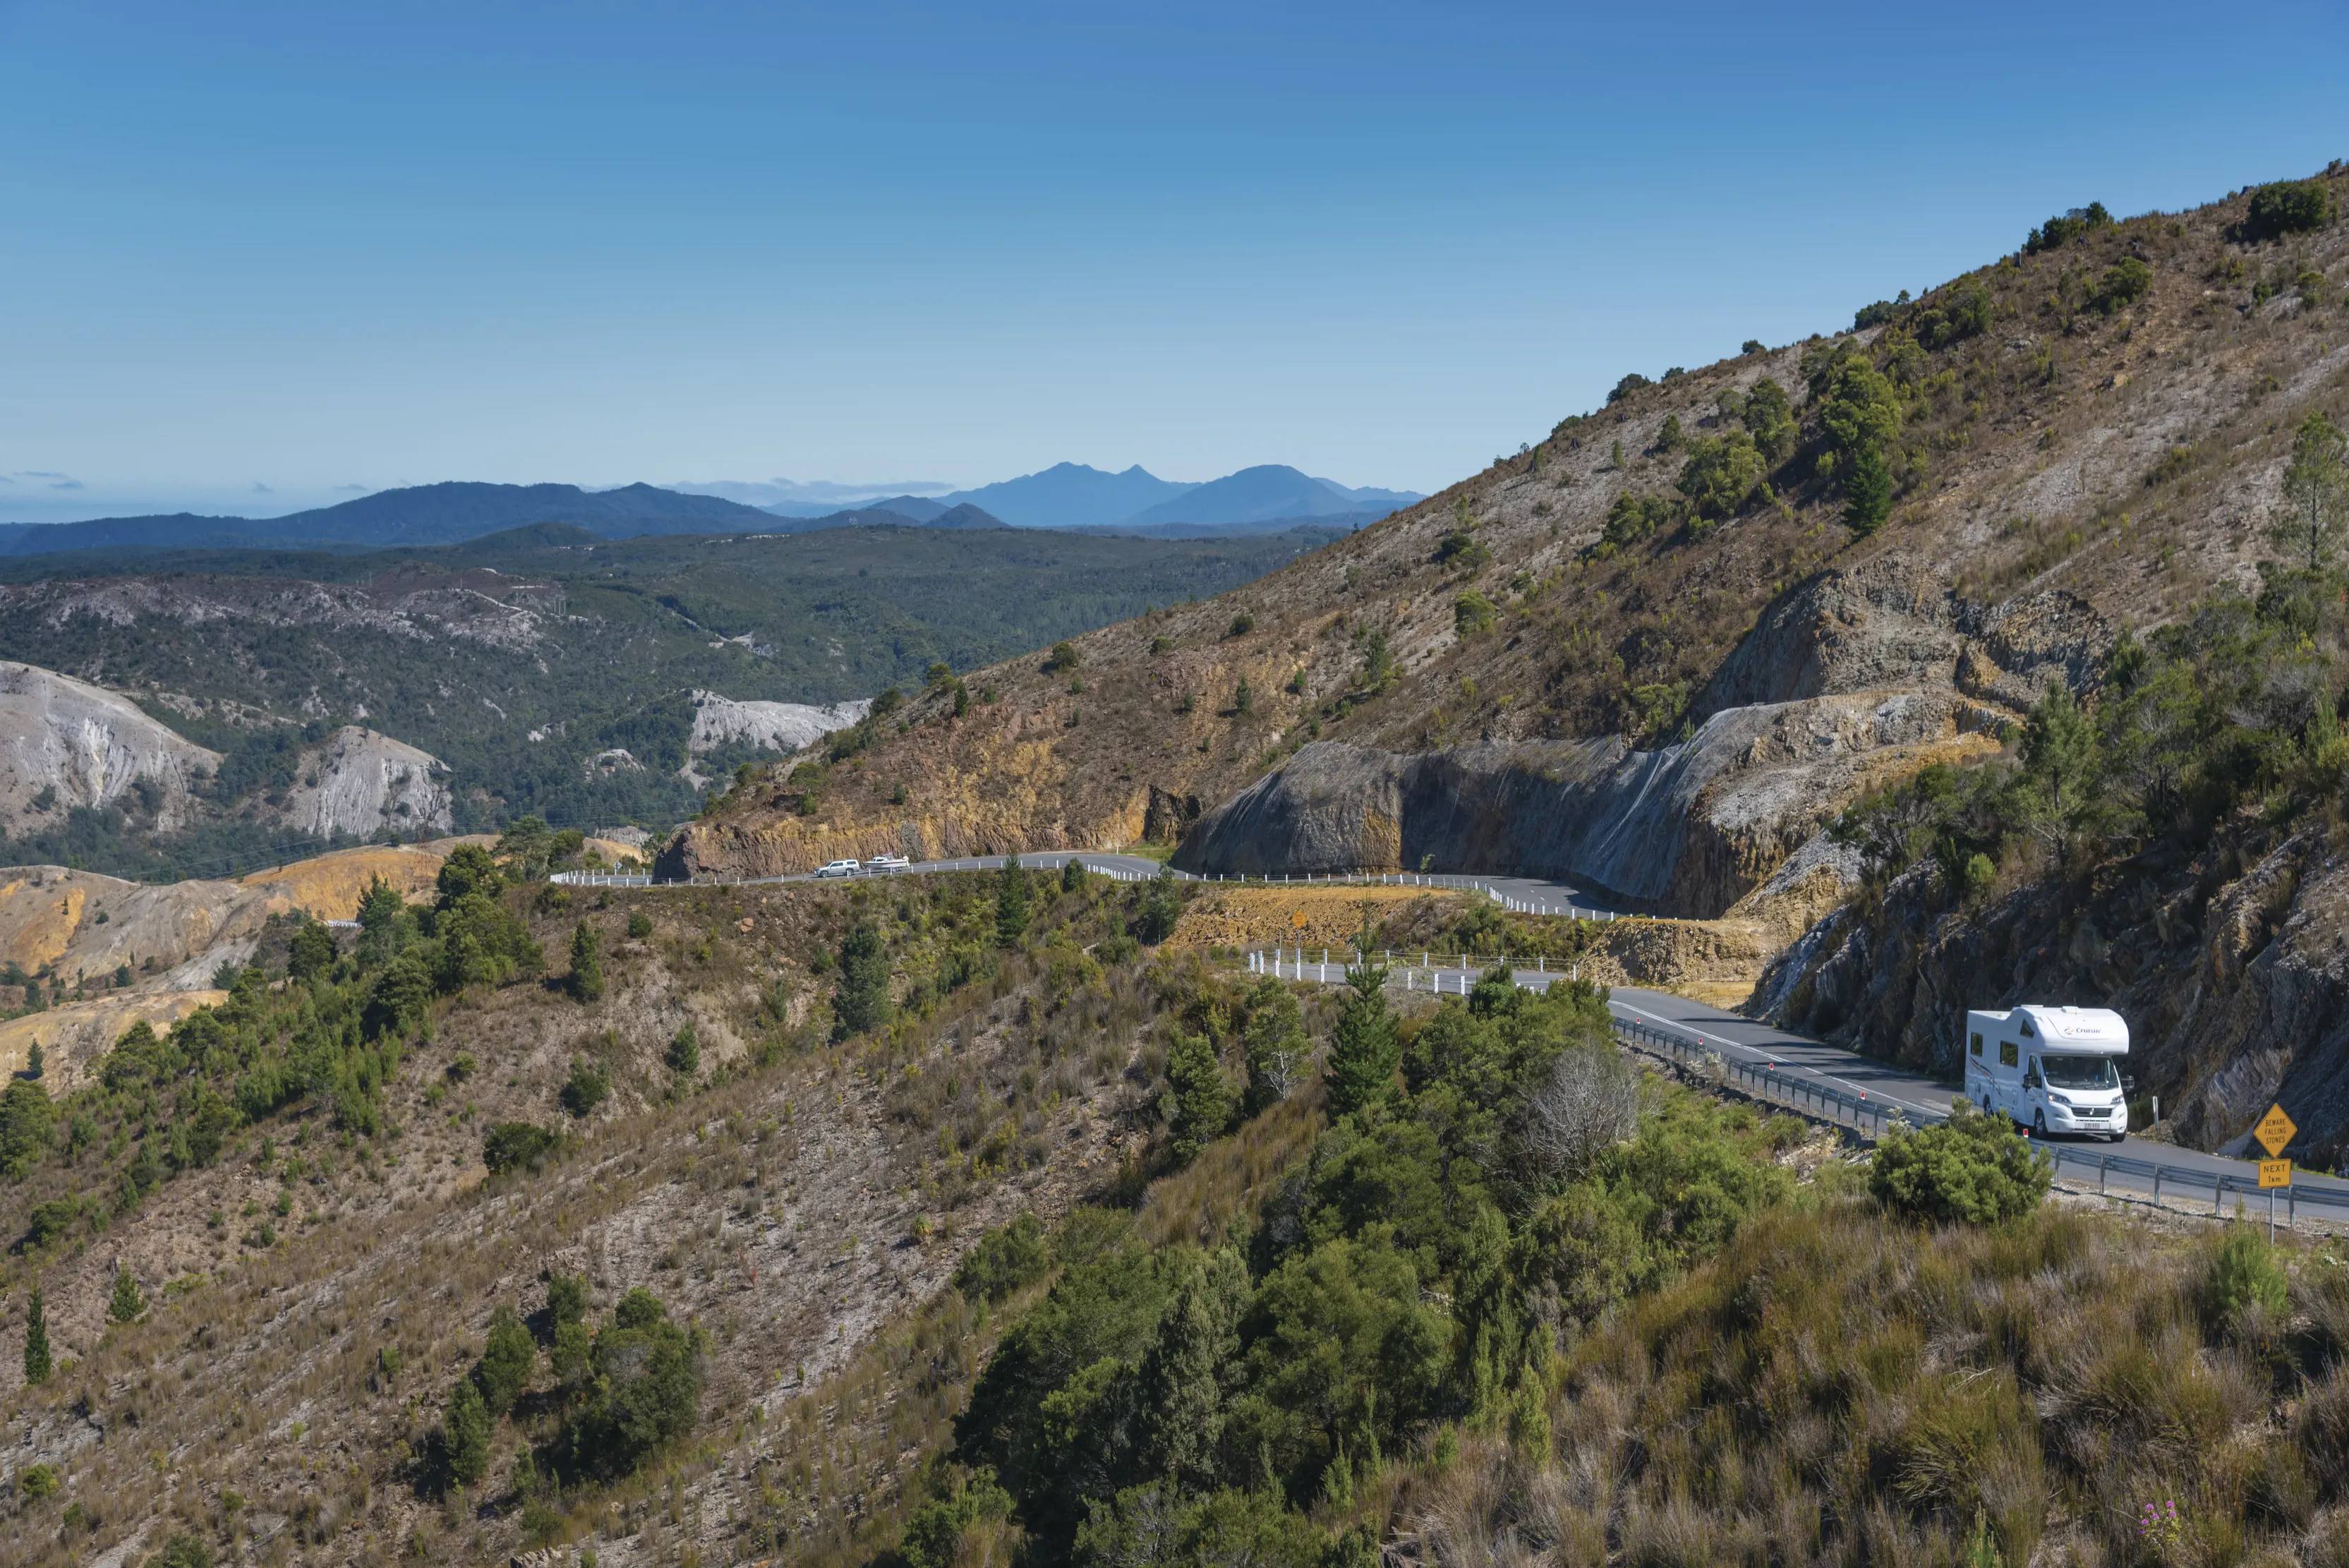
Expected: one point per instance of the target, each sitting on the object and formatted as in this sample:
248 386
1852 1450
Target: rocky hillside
333 1225
65 743
2074 440
1661 650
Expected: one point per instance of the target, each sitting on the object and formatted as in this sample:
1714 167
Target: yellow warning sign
2275 1173
2274 1131
1298 920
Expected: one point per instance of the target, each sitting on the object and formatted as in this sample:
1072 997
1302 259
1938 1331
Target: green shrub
1876 314
861 1002
508 1359
1243 624
1768 416
1633 518
1012 893
517 1146
183 1552
50 1220
465 1434
312 951
1064 656
2068 226
2123 283
27 1122
2244 1273
934 1531
587 963
1972 1169
1199 1102
1964 311
589 1085
1721 475
1462 551
640 925
1626 387
642 1389
684 1054
1159 909
127 1303
1752 346
39 1482
1472 614
1008 1257
2288 207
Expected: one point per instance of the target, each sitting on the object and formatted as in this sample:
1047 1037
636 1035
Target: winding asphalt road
2189 1173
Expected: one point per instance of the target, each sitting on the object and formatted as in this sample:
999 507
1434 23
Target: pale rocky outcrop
774 726
87 747
356 782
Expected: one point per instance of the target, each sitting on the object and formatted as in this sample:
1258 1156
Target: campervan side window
2027 1032
1977 1045
2006 1052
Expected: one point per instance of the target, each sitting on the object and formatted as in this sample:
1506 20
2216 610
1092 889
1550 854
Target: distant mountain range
423 514
1073 495
1268 498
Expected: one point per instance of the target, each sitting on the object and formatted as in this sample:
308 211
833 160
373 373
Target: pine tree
32 1065
1011 905
36 1341
127 1304
1186 1371
1867 489
587 963
507 1361
1364 1051
684 1054
1072 876
1202 1101
465 1433
861 1002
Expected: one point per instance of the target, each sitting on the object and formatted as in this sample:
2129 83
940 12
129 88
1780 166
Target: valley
421 1200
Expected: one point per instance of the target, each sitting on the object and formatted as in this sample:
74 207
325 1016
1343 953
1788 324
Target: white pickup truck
838 868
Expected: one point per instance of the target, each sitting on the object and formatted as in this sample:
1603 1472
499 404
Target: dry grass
1837 1388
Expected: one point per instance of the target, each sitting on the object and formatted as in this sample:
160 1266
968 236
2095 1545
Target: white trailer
2052 1069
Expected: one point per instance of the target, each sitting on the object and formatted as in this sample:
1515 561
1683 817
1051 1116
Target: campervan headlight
2063 1100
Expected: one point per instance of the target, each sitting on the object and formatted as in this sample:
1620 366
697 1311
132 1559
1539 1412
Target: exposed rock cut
358 783
65 743
774 726
1690 828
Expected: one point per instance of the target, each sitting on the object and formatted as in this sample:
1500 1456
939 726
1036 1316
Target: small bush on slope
1972 1169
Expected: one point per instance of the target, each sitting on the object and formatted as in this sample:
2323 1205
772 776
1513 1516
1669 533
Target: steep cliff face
358 783
1849 682
65 743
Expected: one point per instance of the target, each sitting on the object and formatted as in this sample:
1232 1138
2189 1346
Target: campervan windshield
2080 1072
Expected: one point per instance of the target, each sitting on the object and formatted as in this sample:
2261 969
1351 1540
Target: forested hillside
530 662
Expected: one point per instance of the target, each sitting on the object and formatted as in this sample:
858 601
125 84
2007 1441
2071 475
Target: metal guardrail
1870 1117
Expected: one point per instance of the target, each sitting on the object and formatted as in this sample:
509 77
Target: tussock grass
1840 1388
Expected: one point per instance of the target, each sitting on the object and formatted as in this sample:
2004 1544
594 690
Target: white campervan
2054 1069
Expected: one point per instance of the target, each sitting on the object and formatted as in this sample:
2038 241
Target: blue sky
320 248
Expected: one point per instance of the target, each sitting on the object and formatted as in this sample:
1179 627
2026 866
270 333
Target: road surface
2128 1166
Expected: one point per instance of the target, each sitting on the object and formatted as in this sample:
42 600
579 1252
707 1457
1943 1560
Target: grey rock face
1848 683
65 743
